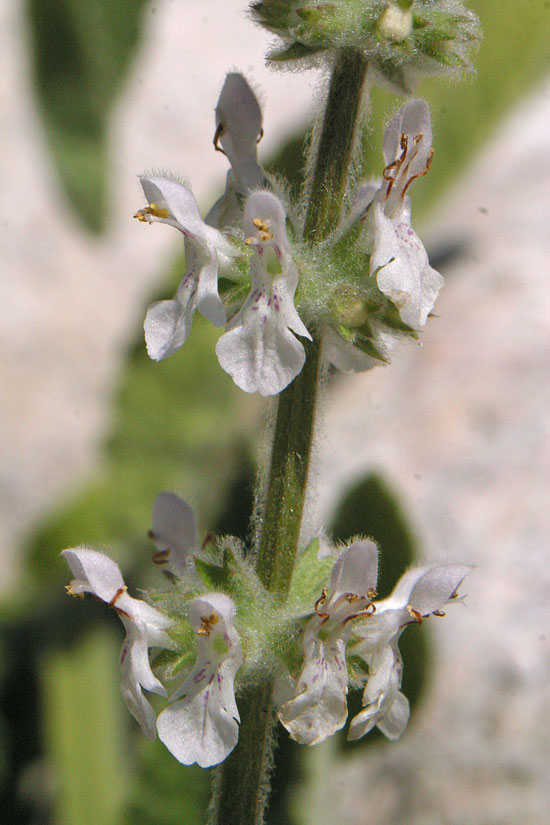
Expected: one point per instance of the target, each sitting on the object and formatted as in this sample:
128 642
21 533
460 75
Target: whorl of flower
401 39
145 627
168 323
258 348
238 132
202 723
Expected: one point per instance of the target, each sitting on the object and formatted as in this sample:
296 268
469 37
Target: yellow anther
140 216
71 592
265 234
207 623
249 241
157 211
414 614
371 593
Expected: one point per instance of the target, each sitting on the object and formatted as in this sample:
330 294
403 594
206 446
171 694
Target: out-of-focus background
444 456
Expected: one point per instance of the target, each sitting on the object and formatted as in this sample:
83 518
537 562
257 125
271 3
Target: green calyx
268 628
401 39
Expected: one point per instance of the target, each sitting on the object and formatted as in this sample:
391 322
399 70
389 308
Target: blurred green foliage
182 425
85 730
81 51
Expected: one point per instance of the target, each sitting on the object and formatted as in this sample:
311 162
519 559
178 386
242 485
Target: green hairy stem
242 781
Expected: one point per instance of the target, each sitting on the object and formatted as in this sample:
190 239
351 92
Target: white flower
258 349
145 627
419 592
174 532
319 707
238 130
398 258
202 725
168 323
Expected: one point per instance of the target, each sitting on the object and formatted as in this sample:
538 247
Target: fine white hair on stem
267 432
308 528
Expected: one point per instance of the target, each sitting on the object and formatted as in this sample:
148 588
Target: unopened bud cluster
401 39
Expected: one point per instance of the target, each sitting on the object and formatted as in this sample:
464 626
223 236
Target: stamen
371 593
321 600
220 131
389 168
414 614
117 595
71 592
207 623
369 610
153 209
157 211
396 165
438 613
161 557
260 136
263 228
419 174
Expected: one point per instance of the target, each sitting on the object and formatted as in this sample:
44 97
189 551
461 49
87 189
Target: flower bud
348 306
395 23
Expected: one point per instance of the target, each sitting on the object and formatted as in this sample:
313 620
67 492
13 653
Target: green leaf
81 51
309 576
296 51
213 575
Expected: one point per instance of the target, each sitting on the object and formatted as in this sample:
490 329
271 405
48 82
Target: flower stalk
336 144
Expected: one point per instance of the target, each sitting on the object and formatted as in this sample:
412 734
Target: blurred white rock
460 427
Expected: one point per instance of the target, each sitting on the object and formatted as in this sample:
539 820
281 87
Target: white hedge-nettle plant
243 636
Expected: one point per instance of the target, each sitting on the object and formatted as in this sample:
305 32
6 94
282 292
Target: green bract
400 39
